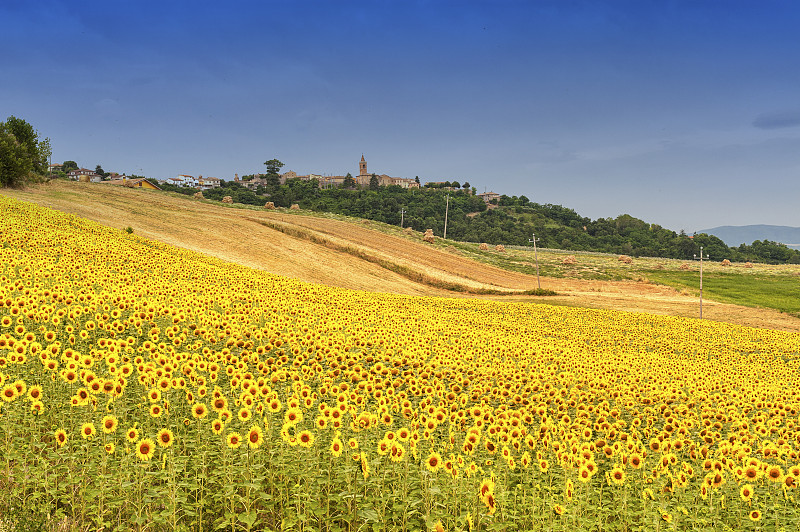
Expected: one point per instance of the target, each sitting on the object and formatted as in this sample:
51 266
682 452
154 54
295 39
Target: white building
183 181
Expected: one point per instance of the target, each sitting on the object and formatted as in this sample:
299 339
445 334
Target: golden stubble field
309 248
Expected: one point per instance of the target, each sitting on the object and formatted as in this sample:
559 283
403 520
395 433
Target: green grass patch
778 292
540 292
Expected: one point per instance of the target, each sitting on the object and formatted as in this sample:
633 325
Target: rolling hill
362 255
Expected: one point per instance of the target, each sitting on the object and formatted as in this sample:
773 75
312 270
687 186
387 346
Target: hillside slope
355 255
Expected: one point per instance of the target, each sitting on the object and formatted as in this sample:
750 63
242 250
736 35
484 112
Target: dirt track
235 235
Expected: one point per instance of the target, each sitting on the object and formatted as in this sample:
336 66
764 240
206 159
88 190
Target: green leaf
248 518
369 515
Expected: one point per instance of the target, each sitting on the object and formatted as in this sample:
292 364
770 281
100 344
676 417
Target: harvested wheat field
357 256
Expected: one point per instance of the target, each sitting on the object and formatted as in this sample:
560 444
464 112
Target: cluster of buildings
85 175
327 181
363 178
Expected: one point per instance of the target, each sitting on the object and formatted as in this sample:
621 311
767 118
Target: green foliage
771 291
23 156
102 173
273 166
541 292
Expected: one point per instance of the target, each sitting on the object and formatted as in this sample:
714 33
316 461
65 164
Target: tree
416 179
23 157
99 171
465 186
373 182
273 166
69 166
349 182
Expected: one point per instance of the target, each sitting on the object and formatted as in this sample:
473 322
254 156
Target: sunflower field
146 387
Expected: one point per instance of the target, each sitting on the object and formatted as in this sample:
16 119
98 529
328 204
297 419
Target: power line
533 240
701 279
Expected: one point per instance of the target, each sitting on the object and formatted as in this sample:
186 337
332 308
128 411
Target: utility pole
533 240
446 208
402 214
701 279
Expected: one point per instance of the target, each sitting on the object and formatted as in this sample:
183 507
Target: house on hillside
488 197
206 183
253 184
84 175
183 181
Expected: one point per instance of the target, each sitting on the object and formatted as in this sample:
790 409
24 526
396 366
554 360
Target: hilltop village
363 179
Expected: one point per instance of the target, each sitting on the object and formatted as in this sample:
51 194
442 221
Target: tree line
23 155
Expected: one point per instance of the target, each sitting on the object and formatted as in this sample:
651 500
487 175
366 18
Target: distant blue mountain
746 234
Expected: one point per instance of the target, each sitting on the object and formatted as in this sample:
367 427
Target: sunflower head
164 438
145 449
87 430
255 437
110 423
234 440
61 437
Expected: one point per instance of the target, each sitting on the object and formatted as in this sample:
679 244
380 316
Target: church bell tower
362 170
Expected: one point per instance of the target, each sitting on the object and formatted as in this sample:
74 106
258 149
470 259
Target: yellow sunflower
61 437
132 434
164 438
255 437
110 423
87 430
433 462
234 440
199 410
145 449
336 447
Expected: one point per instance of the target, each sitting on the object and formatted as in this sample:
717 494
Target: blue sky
681 113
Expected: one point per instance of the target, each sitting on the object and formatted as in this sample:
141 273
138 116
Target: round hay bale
500 247
685 266
659 266
748 264
198 195
569 259
365 222
725 262
294 207
408 230
227 199
428 236
269 205
83 178
484 246
625 258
